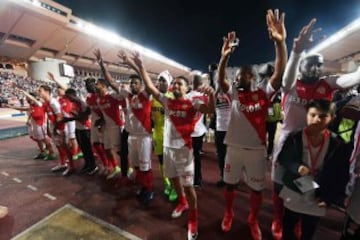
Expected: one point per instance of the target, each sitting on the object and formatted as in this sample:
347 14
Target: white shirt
247 126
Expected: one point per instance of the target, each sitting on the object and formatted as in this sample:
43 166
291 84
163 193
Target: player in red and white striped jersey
57 130
247 139
180 119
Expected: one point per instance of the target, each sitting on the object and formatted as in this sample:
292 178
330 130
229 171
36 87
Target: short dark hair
132 76
184 78
70 91
103 81
90 80
197 80
322 105
90 85
33 94
47 88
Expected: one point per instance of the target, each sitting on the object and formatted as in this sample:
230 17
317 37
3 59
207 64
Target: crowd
315 161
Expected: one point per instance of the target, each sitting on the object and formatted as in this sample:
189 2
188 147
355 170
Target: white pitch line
18 180
49 196
5 174
31 187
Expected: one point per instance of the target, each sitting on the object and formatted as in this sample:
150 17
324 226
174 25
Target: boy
310 156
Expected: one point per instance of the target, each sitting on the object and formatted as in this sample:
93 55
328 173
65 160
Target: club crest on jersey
185 106
136 104
321 90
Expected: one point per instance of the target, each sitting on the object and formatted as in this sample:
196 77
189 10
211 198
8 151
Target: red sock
193 215
278 206
69 154
183 200
62 155
148 180
255 204
229 200
112 161
99 149
74 151
138 176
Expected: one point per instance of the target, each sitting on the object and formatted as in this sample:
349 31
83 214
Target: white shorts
58 138
37 132
140 152
70 130
179 163
247 163
96 135
112 137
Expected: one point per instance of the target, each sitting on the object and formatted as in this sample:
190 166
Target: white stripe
49 196
5 174
18 180
32 187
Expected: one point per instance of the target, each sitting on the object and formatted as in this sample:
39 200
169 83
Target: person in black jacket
311 158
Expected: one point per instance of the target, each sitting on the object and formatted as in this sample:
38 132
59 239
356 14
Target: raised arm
210 106
105 72
128 61
226 51
17 108
52 78
31 97
149 85
348 80
302 42
277 33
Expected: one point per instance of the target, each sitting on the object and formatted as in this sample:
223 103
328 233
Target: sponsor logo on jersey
249 108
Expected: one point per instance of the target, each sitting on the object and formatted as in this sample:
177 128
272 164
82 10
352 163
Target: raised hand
304 39
227 48
123 56
207 90
126 60
275 25
137 59
51 76
97 54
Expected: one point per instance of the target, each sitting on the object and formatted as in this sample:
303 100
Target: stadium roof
33 29
341 50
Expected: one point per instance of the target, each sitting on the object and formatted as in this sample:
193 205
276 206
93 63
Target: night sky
190 32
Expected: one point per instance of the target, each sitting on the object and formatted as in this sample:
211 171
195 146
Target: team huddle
116 123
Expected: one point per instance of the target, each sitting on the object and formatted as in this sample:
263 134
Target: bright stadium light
351 28
114 38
